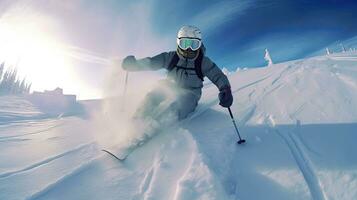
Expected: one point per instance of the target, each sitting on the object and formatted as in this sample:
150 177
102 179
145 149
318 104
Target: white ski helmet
188 31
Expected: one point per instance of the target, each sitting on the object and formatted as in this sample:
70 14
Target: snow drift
299 119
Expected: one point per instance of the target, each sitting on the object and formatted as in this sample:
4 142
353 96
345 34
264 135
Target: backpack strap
198 64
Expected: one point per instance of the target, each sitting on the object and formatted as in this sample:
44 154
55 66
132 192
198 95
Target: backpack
198 65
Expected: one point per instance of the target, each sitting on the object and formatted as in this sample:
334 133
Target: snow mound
14 108
316 90
299 119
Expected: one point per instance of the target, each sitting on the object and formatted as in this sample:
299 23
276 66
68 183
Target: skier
182 89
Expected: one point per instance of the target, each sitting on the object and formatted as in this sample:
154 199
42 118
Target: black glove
225 97
128 62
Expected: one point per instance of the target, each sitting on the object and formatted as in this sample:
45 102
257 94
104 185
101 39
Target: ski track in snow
162 165
5 138
250 84
50 186
281 74
203 107
146 182
304 163
46 161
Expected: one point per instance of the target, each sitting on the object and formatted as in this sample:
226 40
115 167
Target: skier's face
188 53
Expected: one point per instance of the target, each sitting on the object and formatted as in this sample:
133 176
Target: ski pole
241 141
124 91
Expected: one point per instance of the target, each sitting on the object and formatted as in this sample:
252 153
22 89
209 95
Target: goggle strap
189 38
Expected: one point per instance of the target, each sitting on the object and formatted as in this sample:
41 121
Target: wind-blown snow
299 119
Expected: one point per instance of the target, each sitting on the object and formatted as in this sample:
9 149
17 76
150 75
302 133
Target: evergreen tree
343 48
267 57
1 70
10 84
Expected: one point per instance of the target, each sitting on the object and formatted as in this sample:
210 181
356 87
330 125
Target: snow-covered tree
267 57
343 48
328 52
1 70
226 71
10 84
28 88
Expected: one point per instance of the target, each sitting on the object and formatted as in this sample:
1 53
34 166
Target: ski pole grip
230 112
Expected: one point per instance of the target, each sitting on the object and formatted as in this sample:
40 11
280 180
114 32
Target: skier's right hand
225 97
128 62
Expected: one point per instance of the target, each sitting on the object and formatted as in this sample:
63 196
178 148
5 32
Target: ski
114 156
122 153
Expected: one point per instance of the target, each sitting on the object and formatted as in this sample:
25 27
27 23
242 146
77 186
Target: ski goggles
186 43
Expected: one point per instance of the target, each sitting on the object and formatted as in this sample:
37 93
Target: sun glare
35 53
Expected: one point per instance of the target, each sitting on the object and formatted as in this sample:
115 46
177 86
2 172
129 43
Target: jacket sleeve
157 62
214 74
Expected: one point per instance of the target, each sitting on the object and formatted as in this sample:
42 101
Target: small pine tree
22 86
13 82
1 70
343 48
4 85
28 88
267 57
10 84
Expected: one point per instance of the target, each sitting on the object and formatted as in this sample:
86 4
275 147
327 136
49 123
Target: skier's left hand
225 97
128 62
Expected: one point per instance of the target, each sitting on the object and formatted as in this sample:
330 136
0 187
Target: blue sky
235 32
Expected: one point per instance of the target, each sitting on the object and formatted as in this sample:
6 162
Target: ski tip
116 157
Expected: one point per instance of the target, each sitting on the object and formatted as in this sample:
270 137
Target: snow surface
299 119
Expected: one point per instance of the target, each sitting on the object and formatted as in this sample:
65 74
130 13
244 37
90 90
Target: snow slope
14 108
299 119
349 44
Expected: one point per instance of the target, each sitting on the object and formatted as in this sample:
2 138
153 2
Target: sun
36 52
